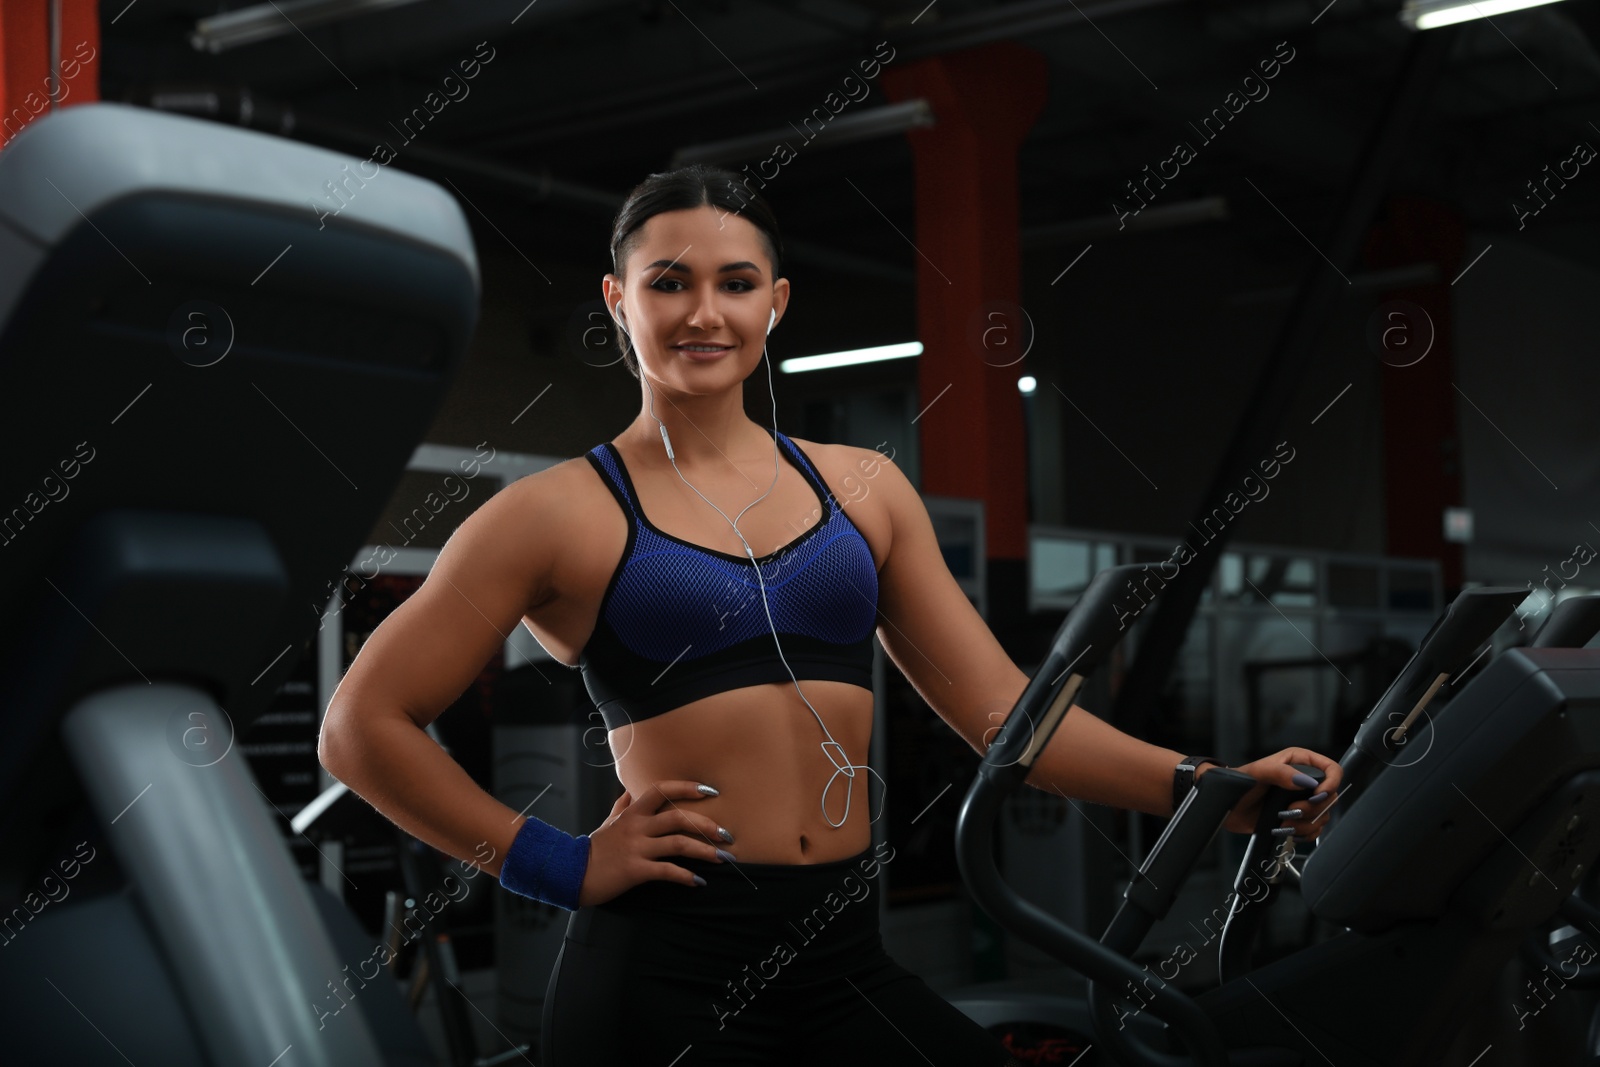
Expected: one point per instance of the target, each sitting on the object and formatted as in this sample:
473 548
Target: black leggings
766 963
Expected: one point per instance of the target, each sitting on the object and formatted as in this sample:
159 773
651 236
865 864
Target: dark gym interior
1289 303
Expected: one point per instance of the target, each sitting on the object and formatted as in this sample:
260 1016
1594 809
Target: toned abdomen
761 747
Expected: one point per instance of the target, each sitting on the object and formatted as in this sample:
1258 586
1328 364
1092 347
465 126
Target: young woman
722 913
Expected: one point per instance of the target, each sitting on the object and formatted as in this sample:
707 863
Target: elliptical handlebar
1149 897
1087 636
1265 858
1446 650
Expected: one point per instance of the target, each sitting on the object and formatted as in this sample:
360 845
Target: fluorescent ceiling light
1431 14
265 21
845 359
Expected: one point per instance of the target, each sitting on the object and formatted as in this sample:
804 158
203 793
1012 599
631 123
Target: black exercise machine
335 815
1462 833
212 389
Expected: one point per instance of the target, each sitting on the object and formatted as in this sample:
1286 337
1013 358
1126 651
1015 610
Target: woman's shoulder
823 454
562 499
552 490
845 461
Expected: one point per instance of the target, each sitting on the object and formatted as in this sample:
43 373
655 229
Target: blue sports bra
679 622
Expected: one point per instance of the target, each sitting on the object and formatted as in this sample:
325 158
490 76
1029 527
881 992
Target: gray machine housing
214 386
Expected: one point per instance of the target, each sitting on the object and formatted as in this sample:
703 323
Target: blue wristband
546 864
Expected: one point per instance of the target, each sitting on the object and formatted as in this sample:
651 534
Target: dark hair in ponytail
695 185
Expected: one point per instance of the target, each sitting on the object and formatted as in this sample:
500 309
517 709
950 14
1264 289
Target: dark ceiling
584 97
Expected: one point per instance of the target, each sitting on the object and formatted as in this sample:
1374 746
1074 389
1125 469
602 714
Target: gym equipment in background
1437 871
214 386
407 917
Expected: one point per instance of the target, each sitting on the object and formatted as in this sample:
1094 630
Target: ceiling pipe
790 67
866 125
238 106
1392 278
263 22
1094 227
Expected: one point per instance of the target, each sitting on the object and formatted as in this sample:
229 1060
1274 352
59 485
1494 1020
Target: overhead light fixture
1431 14
855 355
859 126
218 33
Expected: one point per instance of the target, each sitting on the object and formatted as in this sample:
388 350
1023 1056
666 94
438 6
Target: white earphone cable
845 768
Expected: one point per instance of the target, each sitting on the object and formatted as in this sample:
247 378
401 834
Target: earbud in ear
617 315
772 320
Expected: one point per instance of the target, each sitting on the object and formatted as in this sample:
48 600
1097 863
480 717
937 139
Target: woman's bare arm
494 569
938 640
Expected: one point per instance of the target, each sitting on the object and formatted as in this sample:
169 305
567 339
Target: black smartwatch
1183 776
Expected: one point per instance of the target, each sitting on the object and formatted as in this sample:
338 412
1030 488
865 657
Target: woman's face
698 293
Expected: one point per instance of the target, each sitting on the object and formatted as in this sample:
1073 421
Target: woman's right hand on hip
631 846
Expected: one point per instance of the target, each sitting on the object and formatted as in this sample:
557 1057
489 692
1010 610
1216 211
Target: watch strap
1183 776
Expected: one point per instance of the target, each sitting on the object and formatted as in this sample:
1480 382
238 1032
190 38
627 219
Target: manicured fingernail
1304 781
1292 813
1315 797
699 880
708 791
724 856
725 835
1283 831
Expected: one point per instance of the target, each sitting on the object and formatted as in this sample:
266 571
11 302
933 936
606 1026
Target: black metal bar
1148 898
1284 370
1446 650
1085 640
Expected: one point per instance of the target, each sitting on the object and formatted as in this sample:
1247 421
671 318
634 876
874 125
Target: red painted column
972 437
25 60
1421 441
